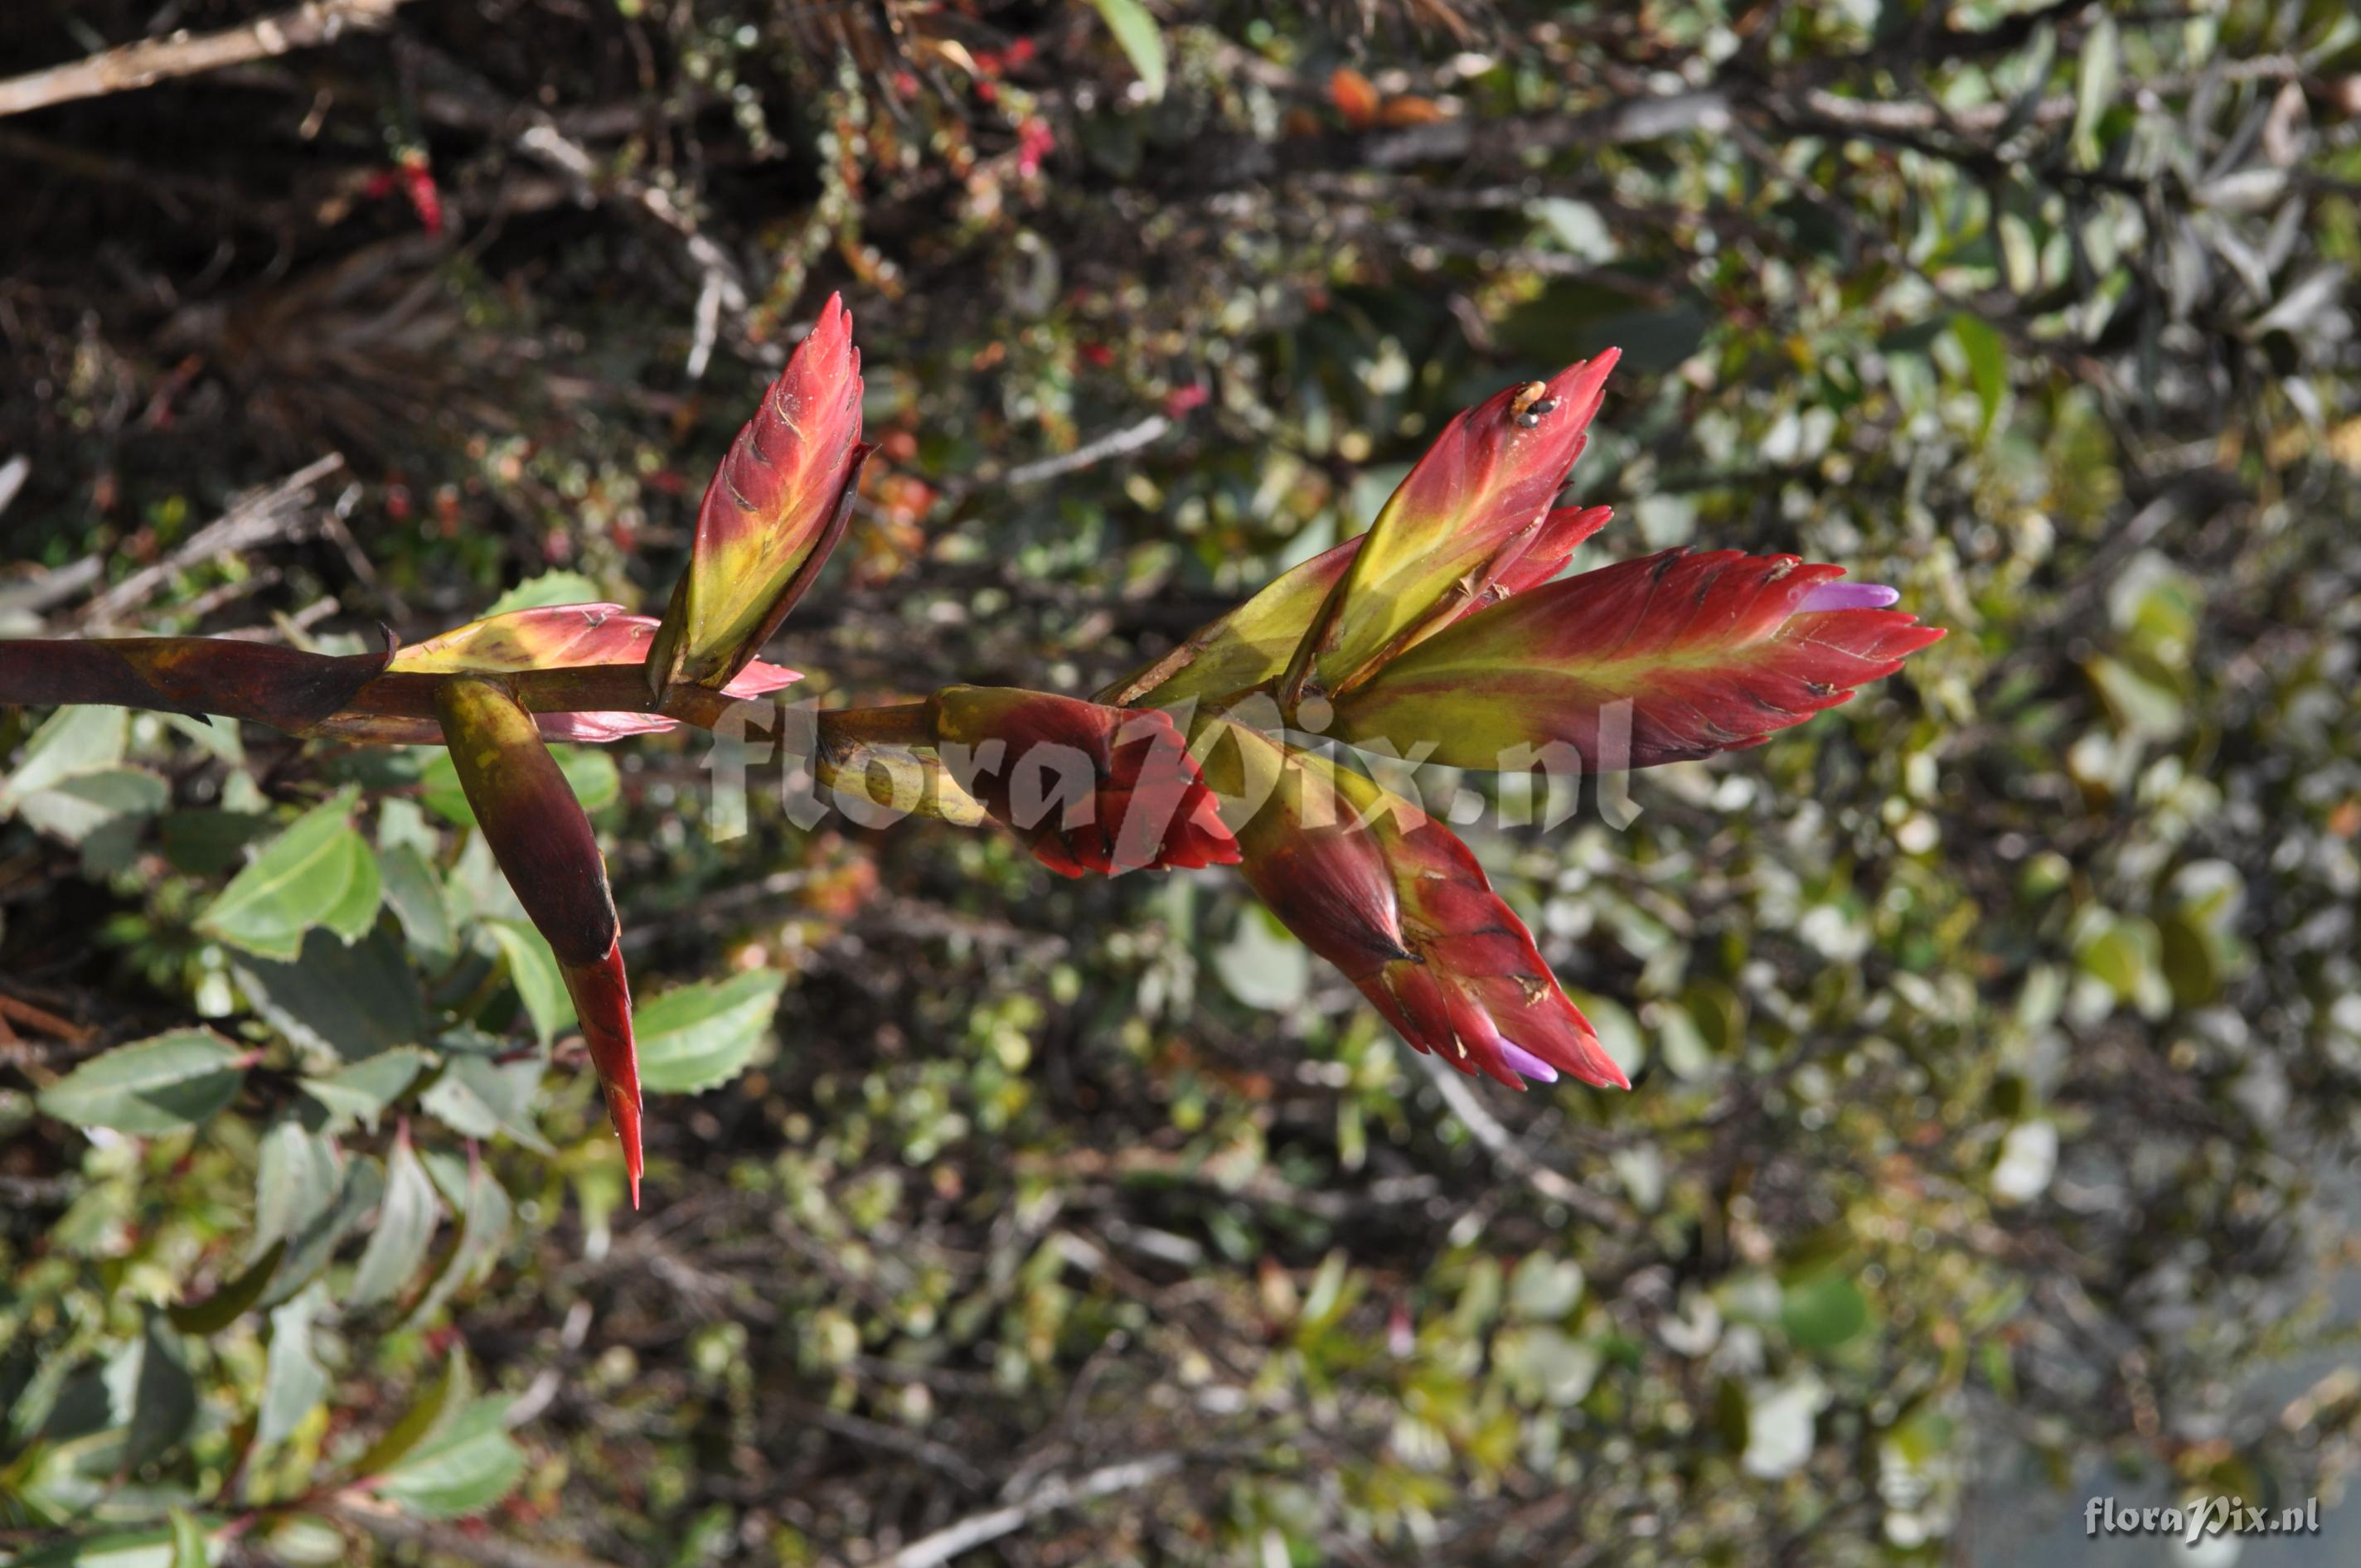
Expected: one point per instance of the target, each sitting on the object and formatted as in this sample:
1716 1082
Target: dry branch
151 61
1057 1492
261 517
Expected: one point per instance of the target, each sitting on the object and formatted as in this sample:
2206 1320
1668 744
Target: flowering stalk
1445 632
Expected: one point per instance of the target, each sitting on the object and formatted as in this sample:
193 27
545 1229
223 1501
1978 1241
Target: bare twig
151 61
19 1010
1057 1492
449 1541
1513 1157
30 596
52 1191
1114 443
895 1439
255 519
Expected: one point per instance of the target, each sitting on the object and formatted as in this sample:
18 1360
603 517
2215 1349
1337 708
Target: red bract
1659 660
1392 898
544 842
776 507
1088 788
1471 510
1440 634
567 637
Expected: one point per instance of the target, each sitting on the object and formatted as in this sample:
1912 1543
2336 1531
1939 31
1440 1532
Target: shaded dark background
1996 1034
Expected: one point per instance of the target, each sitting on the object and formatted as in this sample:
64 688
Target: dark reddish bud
1088 788
538 832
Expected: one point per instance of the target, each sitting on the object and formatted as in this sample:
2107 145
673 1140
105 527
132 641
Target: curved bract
1466 514
1662 659
566 637
545 844
774 510
1394 900
1088 788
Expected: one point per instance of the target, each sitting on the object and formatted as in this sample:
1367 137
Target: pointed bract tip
623 1110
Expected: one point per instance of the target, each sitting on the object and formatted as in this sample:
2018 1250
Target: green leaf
590 772
465 1467
316 1242
293 1382
1262 964
444 1398
365 1089
189 1547
1141 39
485 1215
417 894
307 1541
151 1394
156 1086
1544 1288
75 808
533 969
2095 87
320 872
482 1096
702 1035
405 1228
346 1002
209 843
550 587
75 742
230 1299
1823 1311
1545 1366
1987 363
149 1548
296 1180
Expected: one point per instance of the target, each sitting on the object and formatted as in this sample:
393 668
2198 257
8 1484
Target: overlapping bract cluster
1444 632
1440 634
1394 900
1088 788
776 507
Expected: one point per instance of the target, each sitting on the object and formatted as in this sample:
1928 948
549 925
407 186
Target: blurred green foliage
1996 1037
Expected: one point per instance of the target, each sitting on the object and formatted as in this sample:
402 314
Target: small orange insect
1532 401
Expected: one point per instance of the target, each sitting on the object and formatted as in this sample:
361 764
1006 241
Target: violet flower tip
1823 596
1526 1064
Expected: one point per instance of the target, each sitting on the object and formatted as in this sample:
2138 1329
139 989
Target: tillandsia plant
1444 633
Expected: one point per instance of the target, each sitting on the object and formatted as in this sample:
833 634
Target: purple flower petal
1846 595
1527 1064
